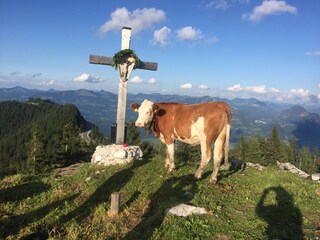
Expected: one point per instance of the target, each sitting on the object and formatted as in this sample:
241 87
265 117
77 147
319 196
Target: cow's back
192 121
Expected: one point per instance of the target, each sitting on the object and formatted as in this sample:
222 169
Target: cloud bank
269 7
85 77
139 20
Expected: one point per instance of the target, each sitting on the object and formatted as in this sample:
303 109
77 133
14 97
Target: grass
248 204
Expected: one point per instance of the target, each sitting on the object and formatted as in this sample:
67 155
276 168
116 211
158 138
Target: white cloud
224 4
189 33
186 86
269 7
49 83
218 4
138 20
203 87
235 88
14 73
318 85
136 79
298 93
152 81
213 39
260 89
162 36
274 90
263 92
85 77
313 54
35 75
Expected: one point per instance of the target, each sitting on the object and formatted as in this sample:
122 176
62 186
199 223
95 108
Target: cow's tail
226 144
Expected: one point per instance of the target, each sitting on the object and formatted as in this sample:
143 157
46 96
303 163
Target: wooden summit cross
125 70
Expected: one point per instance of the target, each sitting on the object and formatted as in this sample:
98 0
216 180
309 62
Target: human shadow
22 191
284 218
13 224
171 193
102 193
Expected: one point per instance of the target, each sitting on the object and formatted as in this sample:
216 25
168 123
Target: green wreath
122 56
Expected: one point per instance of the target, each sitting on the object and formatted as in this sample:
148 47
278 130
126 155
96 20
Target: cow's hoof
213 181
197 178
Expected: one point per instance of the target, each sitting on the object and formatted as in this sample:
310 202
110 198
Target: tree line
39 135
269 150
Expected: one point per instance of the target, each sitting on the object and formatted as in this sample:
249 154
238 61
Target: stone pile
116 154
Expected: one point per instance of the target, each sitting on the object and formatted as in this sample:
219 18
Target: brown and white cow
203 123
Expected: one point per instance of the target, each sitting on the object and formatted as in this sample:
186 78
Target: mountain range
250 116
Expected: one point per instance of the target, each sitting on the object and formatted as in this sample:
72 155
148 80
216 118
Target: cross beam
122 95
102 60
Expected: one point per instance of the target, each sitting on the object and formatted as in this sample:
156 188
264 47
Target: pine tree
71 143
133 137
293 150
306 160
275 148
241 149
316 159
253 152
37 155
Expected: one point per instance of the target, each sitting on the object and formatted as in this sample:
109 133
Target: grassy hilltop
248 204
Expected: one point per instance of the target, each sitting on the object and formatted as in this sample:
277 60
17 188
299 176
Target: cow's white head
146 111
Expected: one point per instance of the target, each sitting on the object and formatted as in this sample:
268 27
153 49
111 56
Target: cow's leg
170 157
217 156
206 155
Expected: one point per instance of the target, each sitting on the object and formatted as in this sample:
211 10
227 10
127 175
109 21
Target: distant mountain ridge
250 116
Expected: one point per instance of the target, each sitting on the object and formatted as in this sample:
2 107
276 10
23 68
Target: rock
315 177
255 165
115 154
292 168
184 210
122 154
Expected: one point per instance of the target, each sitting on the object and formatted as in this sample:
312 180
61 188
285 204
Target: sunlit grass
76 207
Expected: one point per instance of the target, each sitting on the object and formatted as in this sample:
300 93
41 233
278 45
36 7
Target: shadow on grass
102 193
23 191
13 224
284 218
170 194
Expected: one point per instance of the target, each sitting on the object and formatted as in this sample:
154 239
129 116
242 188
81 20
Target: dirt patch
67 171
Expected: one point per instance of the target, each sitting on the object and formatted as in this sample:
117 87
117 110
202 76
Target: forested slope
37 135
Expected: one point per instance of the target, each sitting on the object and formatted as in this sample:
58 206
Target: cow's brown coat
173 121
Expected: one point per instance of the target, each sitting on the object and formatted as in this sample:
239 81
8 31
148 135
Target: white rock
255 165
122 154
315 177
115 154
292 168
184 210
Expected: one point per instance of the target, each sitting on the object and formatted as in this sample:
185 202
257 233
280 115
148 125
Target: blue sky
227 48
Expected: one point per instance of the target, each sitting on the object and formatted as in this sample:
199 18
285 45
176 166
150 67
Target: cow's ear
135 106
155 108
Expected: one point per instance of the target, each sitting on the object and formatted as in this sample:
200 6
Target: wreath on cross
122 57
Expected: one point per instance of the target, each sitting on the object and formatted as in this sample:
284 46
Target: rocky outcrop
292 168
